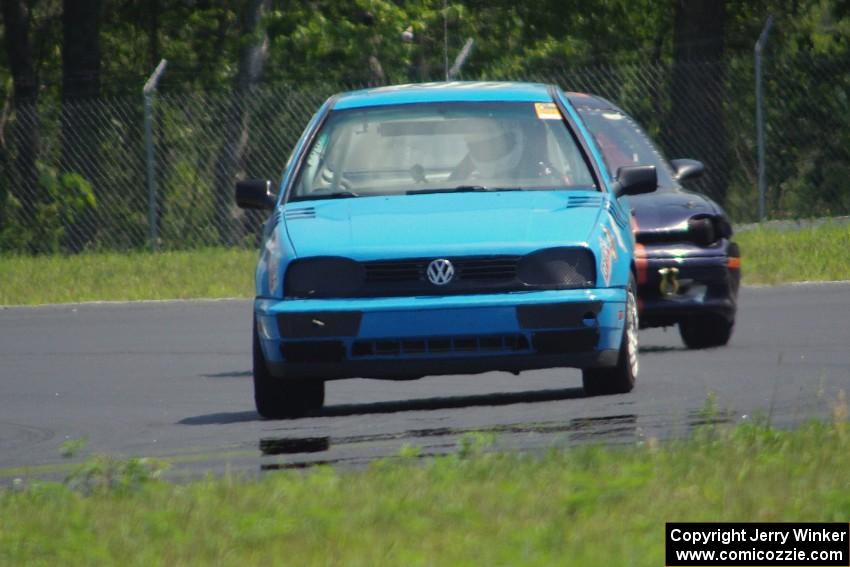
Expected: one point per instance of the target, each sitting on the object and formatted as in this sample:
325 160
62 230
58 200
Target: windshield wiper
463 189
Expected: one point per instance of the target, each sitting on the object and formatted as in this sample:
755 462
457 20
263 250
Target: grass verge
770 256
114 276
580 506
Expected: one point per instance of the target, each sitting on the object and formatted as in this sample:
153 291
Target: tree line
86 48
61 53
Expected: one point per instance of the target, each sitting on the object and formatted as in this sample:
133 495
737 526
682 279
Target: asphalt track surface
171 380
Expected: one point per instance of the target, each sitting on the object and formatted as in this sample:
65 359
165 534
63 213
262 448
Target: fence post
762 173
446 38
461 58
148 92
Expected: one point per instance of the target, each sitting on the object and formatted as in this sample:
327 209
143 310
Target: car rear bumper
408 337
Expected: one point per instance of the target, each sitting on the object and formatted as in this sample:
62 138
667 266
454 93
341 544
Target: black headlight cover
558 268
323 276
701 230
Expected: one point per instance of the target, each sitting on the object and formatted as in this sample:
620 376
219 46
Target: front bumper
703 284
409 337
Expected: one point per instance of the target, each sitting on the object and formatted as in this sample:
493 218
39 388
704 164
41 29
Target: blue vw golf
443 228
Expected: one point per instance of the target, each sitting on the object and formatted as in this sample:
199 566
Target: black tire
277 397
706 331
619 379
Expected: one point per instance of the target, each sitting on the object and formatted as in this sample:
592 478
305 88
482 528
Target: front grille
440 345
503 268
484 269
395 271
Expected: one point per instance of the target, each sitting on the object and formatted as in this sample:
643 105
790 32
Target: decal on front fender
609 254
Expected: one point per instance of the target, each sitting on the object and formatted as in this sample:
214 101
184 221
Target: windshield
622 142
436 147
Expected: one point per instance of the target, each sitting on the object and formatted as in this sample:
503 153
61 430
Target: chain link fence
74 176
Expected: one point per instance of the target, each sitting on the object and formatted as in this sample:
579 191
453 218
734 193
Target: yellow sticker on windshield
547 111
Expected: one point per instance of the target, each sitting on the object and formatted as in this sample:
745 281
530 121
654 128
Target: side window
622 142
612 137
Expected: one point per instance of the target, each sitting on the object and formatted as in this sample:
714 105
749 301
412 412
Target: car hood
411 226
662 211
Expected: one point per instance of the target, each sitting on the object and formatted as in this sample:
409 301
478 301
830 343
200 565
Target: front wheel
621 378
706 331
279 397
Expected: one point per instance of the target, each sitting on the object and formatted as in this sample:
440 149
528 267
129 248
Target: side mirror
687 168
255 194
635 180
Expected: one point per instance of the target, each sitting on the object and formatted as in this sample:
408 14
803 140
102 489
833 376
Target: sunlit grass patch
116 276
771 256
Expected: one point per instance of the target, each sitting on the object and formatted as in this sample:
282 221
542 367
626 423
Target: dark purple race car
688 268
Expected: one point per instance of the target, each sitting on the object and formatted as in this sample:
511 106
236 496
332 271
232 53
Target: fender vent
576 201
306 213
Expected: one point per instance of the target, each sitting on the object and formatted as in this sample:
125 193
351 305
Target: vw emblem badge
440 272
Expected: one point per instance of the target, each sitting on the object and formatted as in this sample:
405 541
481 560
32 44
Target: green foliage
67 197
474 444
409 452
72 447
335 42
14 234
331 42
104 474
